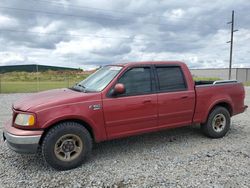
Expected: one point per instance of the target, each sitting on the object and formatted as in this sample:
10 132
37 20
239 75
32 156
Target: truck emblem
95 107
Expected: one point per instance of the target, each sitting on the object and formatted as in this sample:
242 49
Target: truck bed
229 94
205 82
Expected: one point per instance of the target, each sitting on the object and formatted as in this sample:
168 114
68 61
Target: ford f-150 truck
119 101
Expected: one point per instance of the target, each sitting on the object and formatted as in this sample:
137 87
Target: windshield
98 80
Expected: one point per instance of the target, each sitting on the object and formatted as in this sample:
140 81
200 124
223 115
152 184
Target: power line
43 12
60 34
73 15
92 8
175 41
102 10
113 11
168 42
71 35
110 18
86 36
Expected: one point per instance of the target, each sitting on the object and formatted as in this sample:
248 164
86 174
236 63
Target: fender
97 133
216 102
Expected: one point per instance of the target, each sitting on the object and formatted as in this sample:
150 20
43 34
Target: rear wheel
66 145
218 123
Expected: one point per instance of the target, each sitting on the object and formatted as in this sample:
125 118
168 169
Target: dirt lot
181 157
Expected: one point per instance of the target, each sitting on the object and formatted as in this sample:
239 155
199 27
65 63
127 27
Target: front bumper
21 141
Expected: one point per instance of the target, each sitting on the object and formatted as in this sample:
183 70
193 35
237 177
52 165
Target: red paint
130 115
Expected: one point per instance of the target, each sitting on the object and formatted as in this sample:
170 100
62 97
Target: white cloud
91 43
7 58
174 14
51 27
78 46
6 21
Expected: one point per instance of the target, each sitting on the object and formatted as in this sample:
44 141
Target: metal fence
240 74
23 82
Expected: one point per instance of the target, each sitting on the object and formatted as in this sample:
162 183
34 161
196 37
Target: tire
66 145
218 123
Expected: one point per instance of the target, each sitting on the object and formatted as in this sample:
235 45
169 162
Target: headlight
25 120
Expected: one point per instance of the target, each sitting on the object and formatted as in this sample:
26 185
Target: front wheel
66 145
218 123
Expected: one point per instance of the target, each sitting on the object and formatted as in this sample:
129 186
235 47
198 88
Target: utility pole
0 83
231 45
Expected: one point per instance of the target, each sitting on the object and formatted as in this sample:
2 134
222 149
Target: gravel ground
180 157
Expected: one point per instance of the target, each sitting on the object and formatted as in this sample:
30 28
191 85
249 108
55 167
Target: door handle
184 97
146 101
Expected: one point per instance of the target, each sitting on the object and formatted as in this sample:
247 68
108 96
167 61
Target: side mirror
119 89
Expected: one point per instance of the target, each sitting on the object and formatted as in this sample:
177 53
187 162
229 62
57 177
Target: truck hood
51 98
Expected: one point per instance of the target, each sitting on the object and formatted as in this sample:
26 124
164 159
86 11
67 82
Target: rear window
171 79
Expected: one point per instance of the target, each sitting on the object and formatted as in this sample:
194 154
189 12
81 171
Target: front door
135 111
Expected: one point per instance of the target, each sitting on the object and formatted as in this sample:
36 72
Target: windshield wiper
81 86
74 88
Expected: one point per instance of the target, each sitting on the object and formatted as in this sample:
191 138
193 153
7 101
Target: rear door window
171 79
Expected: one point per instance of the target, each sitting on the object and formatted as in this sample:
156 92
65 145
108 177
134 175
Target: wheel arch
224 103
79 121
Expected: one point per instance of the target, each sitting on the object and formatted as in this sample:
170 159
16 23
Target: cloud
11 58
7 22
50 27
174 15
92 33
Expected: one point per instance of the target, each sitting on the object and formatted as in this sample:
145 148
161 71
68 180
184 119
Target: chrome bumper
21 141
22 144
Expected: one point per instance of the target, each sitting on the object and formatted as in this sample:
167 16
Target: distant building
33 68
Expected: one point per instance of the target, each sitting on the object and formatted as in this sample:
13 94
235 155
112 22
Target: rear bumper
241 110
21 141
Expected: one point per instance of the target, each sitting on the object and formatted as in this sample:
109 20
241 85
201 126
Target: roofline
149 63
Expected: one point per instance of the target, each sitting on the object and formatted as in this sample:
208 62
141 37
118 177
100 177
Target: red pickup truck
118 101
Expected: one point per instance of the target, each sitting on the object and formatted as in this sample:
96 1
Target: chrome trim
15 139
218 84
224 81
95 107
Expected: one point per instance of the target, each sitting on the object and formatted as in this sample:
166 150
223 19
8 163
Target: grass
206 78
26 87
214 79
247 83
44 76
24 82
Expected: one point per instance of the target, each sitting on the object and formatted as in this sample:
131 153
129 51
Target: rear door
175 101
136 110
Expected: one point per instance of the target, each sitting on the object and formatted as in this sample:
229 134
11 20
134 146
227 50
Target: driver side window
137 81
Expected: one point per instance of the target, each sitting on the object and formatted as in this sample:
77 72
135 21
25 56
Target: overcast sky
87 34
